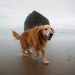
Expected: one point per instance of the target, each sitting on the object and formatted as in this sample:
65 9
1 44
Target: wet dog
37 38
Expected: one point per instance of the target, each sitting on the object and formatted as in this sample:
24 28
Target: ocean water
6 33
59 33
65 33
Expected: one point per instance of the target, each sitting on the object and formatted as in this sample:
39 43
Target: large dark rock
34 19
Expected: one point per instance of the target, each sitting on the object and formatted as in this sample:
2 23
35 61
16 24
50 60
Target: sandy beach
60 53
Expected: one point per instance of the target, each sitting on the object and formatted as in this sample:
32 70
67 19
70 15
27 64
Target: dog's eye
45 28
51 29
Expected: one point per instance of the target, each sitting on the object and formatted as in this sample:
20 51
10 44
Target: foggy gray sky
61 13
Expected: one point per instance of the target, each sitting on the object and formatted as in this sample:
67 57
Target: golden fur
37 38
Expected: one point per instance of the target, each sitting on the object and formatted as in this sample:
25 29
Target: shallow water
60 53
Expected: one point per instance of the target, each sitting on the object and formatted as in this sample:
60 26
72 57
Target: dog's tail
16 35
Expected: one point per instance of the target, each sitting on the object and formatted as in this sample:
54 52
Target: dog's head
46 32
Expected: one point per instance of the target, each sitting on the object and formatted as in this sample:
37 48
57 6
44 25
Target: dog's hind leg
23 46
36 52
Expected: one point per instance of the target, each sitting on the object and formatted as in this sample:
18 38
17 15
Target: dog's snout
50 34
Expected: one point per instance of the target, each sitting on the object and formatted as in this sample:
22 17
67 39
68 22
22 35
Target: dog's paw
24 54
46 62
36 54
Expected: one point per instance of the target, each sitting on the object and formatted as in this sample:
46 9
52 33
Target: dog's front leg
44 58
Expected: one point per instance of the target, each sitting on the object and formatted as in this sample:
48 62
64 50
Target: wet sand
60 53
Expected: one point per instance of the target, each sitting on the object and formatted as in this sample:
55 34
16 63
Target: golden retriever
37 38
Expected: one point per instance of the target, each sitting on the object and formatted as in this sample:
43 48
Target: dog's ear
52 30
41 36
40 32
